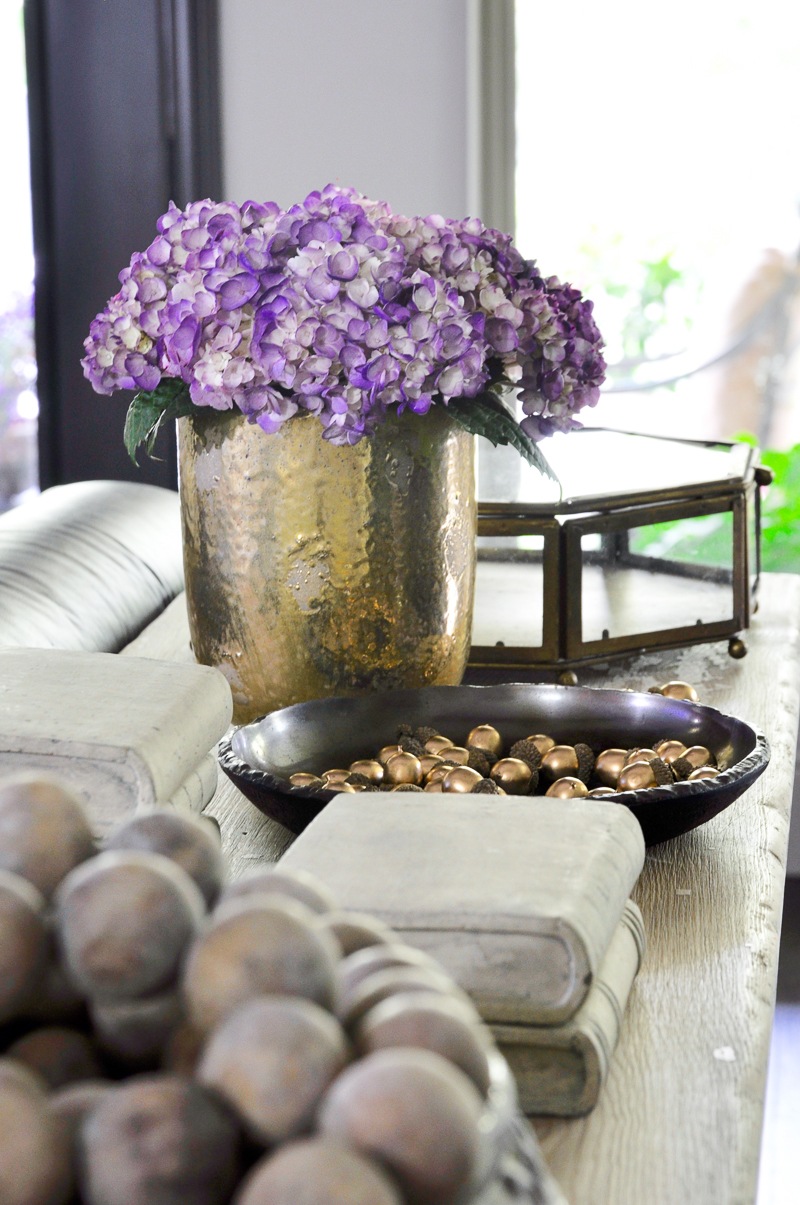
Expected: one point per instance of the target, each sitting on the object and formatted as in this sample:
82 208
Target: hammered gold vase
315 570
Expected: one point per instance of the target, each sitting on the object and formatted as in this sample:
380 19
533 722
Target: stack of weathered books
124 732
525 902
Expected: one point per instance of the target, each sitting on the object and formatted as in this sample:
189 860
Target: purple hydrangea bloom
341 308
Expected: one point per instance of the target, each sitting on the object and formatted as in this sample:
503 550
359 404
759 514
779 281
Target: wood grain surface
679 1121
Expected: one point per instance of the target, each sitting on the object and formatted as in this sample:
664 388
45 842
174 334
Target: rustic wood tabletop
680 1117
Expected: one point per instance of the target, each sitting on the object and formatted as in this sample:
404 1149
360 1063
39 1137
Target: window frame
124 112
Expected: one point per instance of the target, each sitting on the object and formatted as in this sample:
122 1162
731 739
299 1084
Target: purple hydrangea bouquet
341 309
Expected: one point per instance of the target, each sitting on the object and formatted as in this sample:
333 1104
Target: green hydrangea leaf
488 416
148 412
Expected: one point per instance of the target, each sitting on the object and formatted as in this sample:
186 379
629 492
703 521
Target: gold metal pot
315 570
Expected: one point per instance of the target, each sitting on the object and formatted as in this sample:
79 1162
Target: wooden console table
679 1122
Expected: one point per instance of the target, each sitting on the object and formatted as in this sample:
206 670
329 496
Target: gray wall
369 93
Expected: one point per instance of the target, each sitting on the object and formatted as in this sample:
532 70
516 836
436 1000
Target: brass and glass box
646 543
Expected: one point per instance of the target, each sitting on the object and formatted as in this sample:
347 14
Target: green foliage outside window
707 540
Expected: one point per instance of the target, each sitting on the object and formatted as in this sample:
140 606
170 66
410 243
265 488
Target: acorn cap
528 752
487 787
479 761
407 786
682 768
425 733
404 731
662 772
490 757
360 780
586 761
410 744
534 782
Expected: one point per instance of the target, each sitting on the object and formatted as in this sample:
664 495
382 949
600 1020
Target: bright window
19 406
658 168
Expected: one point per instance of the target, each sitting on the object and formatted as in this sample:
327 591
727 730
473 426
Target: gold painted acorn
388 751
434 785
429 761
703 772
435 744
460 779
305 780
601 792
567 788
698 756
455 753
542 742
670 751
636 776
438 773
486 737
679 690
331 776
512 774
608 766
560 761
373 770
402 768
640 755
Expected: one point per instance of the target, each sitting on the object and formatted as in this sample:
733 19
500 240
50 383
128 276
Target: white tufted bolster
88 565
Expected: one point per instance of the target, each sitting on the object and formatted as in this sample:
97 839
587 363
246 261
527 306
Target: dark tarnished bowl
324 733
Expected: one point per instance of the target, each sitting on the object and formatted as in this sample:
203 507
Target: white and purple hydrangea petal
341 308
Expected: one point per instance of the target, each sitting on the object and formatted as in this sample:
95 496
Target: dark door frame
124 117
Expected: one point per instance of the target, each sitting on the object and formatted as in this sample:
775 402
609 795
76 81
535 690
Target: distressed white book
561 1069
126 733
518 898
